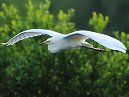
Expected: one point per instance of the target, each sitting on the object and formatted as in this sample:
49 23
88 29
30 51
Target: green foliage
98 22
27 69
64 24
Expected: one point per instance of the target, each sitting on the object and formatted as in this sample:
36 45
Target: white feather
75 39
29 33
104 40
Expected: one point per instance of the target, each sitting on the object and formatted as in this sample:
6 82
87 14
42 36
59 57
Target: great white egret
75 39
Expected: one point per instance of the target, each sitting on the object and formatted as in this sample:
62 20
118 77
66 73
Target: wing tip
124 51
4 43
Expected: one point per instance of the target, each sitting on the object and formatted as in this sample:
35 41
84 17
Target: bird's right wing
29 33
104 40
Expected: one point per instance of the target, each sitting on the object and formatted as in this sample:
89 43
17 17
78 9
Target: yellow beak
46 42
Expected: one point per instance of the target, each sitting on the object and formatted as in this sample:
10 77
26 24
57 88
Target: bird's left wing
29 33
104 40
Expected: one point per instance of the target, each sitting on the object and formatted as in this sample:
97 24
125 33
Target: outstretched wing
29 33
104 40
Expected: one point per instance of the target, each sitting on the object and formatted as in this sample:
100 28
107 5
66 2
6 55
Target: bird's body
75 39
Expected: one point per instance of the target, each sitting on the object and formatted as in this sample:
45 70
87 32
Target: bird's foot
93 48
99 49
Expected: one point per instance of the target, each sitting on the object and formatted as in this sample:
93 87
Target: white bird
76 39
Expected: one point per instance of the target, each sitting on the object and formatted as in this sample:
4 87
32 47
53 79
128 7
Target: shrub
27 69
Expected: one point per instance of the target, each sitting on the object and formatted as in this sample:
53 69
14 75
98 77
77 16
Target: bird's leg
87 45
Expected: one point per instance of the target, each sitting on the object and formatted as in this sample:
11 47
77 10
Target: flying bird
77 39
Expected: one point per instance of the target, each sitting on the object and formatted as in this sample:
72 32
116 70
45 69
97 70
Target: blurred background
28 69
116 10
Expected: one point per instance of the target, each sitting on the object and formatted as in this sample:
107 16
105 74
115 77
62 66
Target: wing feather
29 33
104 40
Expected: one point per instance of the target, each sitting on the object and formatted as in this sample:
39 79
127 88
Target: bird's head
48 41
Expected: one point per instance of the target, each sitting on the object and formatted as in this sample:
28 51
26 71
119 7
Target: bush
27 69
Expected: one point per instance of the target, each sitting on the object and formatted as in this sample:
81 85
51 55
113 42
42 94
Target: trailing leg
87 45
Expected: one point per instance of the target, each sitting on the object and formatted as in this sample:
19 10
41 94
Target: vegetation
27 69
